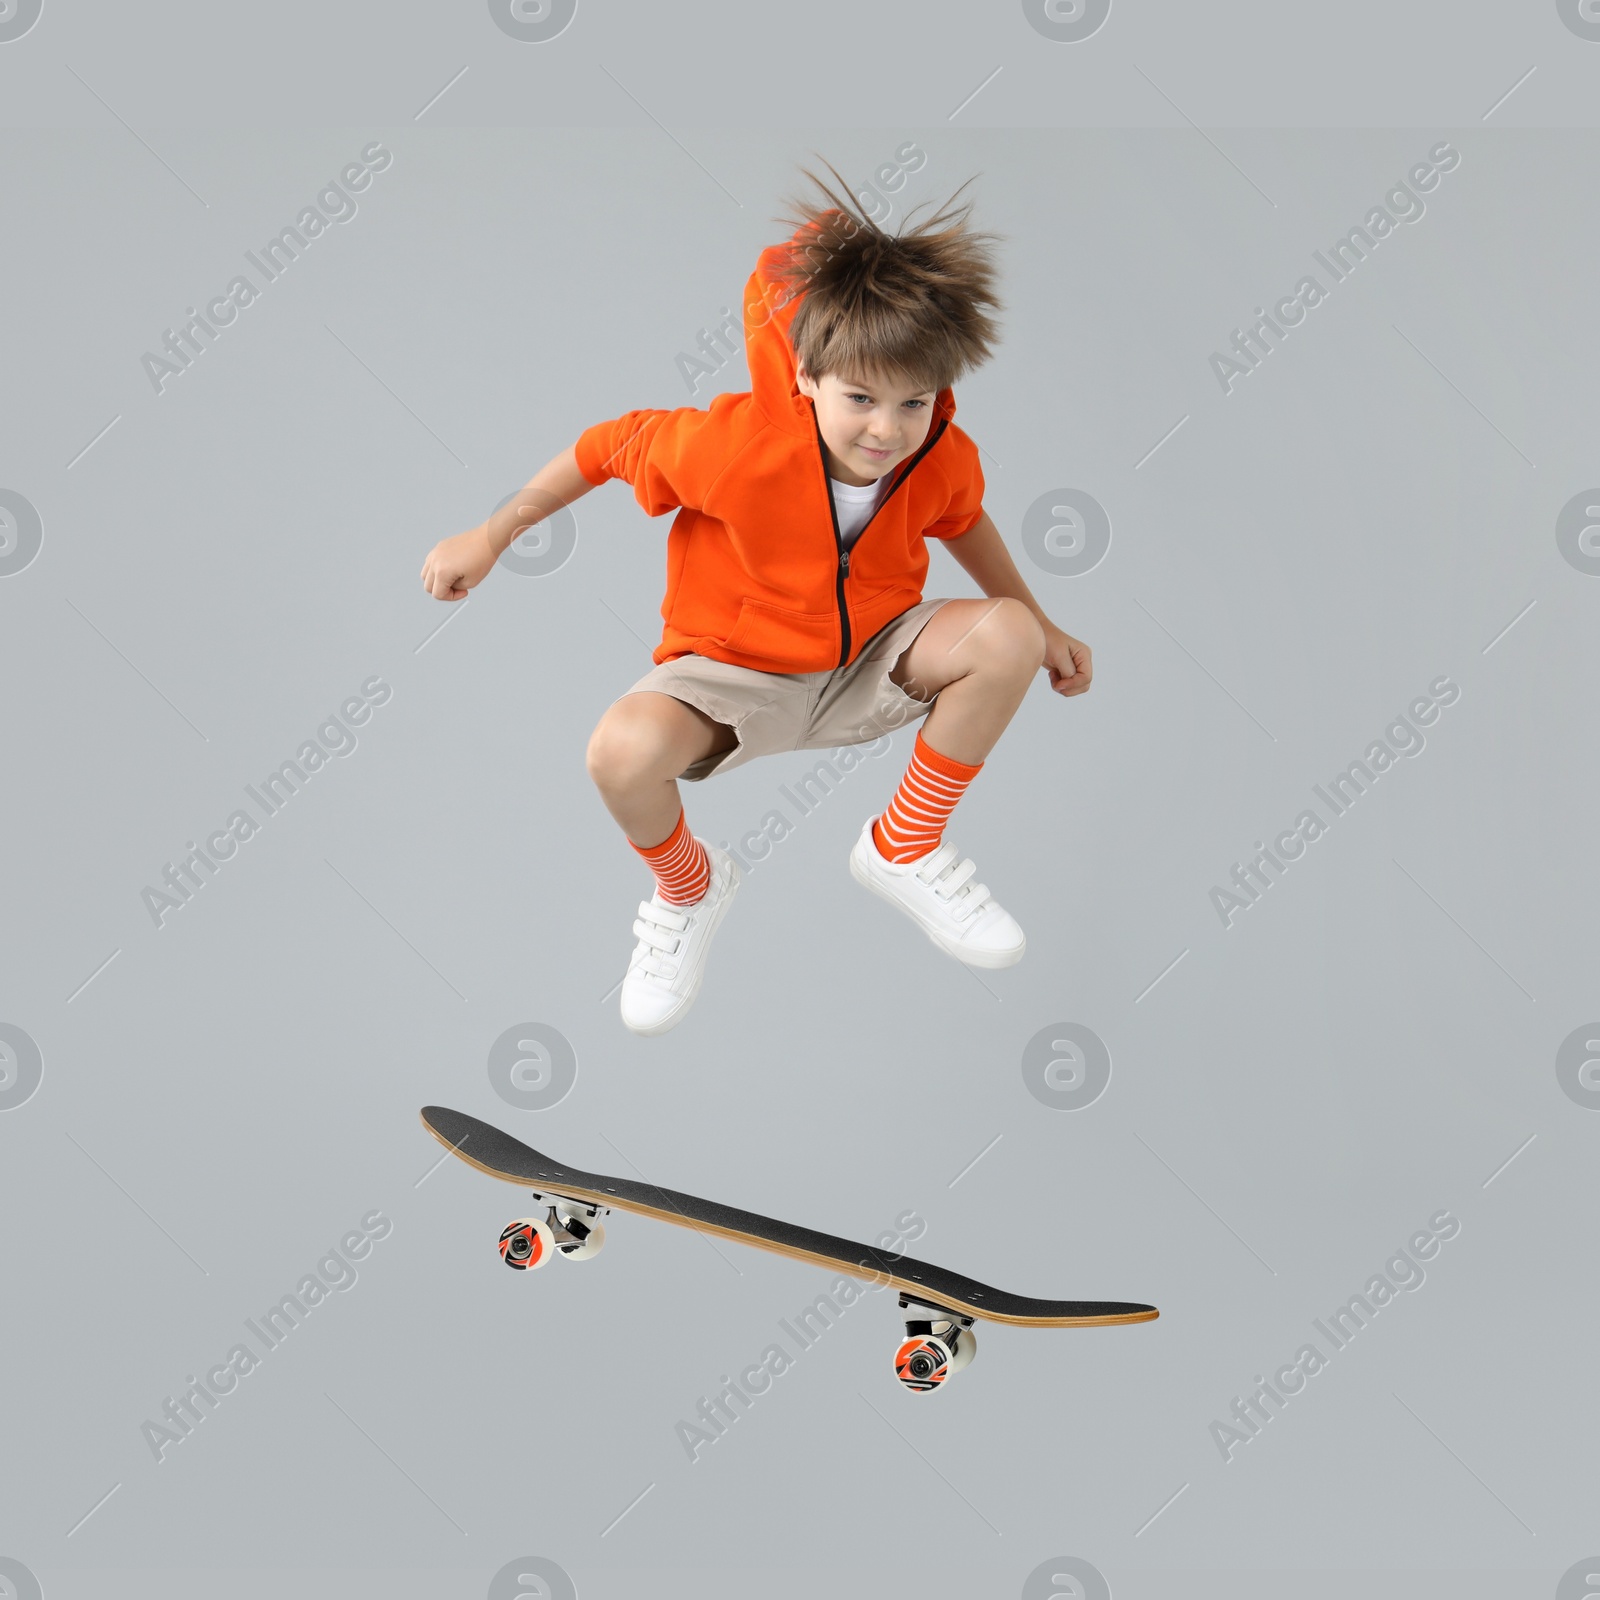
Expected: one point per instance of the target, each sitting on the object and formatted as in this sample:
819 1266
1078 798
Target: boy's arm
983 554
556 484
461 563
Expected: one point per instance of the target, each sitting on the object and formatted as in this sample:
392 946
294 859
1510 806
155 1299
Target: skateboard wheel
966 1349
586 1248
526 1243
923 1363
926 1360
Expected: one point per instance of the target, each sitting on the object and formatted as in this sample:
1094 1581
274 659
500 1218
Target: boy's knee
624 748
1013 636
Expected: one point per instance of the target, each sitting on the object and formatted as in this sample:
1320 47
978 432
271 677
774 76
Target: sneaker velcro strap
937 862
652 937
664 916
950 886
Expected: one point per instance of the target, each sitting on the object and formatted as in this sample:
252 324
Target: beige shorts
772 711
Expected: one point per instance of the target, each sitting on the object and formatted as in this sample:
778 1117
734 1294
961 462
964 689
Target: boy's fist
1070 662
457 564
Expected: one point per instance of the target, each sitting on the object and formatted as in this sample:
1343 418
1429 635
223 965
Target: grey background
226 562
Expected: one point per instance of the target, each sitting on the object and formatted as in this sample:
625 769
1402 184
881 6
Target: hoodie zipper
842 570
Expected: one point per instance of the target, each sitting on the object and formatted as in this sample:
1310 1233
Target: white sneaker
669 960
938 894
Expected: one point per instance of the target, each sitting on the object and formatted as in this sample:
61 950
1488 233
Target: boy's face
857 419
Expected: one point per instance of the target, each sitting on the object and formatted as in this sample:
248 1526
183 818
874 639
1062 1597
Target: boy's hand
1069 661
457 564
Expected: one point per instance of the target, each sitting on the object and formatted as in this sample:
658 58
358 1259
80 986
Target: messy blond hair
877 304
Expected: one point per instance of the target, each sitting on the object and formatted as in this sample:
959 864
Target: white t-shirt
855 506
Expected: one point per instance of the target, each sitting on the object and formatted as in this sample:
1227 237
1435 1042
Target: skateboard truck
571 1228
938 1343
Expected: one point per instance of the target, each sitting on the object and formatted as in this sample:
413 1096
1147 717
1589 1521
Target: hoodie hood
769 308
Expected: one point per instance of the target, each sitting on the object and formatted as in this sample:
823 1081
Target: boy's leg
637 751
635 755
646 739
978 658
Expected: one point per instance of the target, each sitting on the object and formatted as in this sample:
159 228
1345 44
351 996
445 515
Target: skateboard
940 1306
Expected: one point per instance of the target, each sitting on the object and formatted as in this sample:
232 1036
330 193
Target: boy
794 611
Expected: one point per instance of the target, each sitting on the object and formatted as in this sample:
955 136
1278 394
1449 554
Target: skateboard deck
941 1305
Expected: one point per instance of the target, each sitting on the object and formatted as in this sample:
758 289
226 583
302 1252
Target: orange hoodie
756 571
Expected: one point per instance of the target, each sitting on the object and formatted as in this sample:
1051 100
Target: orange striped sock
914 822
681 865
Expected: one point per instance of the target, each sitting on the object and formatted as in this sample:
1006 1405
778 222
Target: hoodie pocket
805 641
